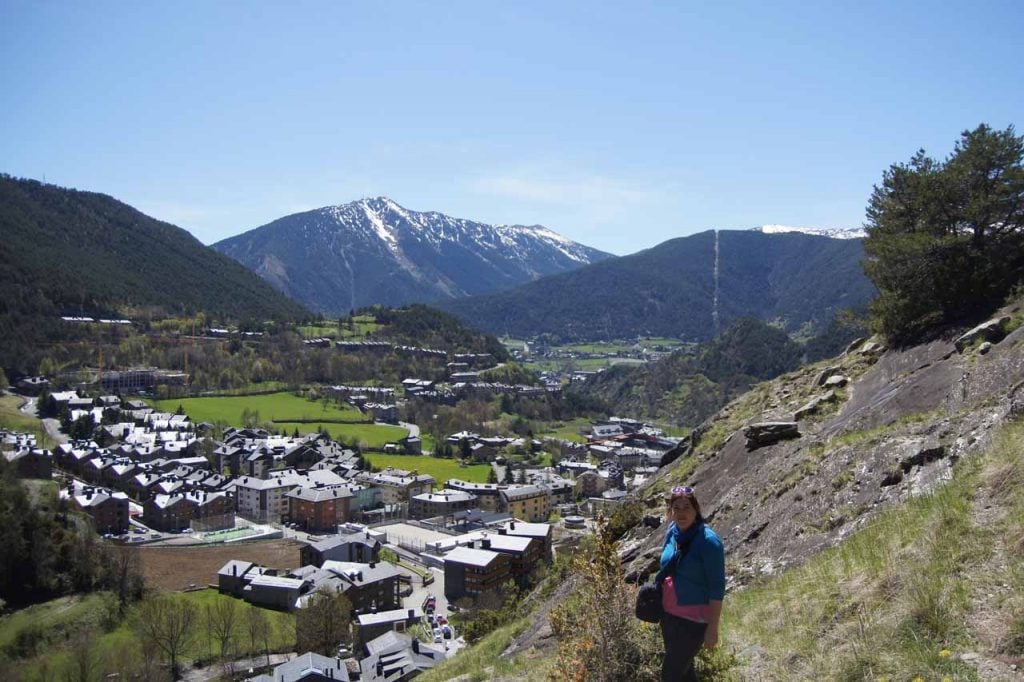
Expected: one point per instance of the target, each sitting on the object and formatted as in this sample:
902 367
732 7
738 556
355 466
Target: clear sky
619 125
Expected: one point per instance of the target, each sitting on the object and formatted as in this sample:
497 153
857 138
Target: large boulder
813 405
825 375
768 433
836 381
993 330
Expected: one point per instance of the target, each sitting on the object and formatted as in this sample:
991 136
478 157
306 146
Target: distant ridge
374 251
691 288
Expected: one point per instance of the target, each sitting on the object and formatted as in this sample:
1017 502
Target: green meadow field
275 407
373 436
440 469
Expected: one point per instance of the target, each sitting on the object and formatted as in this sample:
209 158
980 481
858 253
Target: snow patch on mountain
383 230
833 232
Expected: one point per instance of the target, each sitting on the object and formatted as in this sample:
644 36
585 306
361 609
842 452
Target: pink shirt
694 612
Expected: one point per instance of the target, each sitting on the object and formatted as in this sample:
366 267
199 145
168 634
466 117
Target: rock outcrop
814 405
993 331
769 433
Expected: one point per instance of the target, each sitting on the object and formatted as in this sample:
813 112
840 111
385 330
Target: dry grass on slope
932 590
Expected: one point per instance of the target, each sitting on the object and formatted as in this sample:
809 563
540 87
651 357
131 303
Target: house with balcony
472 572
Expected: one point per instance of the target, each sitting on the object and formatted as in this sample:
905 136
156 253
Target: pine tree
946 239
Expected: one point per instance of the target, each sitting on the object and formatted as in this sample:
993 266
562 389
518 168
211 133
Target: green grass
567 430
310 331
372 436
275 407
53 620
483 661
510 343
13 419
361 327
661 341
579 364
900 599
597 348
61 620
440 469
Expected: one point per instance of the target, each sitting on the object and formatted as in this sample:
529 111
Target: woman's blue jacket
699 576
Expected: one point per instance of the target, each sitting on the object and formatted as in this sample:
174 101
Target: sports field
271 407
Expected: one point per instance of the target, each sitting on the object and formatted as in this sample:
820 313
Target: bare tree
259 631
83 663
221 617
125 567
167 624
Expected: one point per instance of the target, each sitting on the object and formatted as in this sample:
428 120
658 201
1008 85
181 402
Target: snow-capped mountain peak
373 250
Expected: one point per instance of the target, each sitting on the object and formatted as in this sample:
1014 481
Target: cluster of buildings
182 482
391 657
474 563
22 452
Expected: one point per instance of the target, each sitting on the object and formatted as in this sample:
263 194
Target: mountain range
65 250
373 251
691 287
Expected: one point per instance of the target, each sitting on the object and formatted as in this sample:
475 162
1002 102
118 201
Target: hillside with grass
883 543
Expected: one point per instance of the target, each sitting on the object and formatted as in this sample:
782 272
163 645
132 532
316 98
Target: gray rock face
872 348
827 374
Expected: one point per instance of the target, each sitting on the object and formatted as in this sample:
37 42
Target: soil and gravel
179 567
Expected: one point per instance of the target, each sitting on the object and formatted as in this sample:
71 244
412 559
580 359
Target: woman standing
692 592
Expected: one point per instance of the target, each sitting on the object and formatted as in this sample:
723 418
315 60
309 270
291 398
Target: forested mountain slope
64 251
692 288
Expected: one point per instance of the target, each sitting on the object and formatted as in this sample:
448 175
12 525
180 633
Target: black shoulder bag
648 599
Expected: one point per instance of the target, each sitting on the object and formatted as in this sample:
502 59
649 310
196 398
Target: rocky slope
873 428
876 426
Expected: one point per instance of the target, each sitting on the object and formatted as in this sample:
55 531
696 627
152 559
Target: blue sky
619 125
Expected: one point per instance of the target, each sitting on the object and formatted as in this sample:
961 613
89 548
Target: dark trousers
683 639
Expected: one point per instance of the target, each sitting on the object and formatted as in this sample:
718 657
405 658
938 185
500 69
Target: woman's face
681 511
